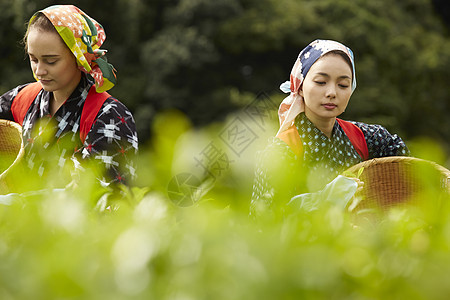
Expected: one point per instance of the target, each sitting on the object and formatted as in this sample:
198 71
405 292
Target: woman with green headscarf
66 116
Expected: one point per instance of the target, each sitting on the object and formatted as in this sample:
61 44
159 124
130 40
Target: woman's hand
355 199
359 182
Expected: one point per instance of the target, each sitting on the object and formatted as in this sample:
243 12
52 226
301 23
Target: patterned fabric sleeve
381 143
274 176
113 143
6 101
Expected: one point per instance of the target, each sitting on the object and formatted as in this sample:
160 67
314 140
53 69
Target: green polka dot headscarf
84 36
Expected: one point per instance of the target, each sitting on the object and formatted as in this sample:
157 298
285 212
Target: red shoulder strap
94 101
23 100
356 137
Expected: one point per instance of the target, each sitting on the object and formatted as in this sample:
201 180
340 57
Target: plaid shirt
111 143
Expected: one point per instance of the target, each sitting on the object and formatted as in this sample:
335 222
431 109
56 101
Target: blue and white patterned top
280 173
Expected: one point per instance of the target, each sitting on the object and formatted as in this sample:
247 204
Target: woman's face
327 88
52 62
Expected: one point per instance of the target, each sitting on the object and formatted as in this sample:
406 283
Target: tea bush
71 245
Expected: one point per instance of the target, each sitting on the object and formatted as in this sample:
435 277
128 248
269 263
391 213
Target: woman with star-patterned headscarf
313 146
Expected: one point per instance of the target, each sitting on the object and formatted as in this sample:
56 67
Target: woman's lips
45 82
329 105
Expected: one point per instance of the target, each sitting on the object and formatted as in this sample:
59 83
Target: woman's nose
40 69
331 91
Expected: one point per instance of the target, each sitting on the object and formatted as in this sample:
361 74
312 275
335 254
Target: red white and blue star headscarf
293 104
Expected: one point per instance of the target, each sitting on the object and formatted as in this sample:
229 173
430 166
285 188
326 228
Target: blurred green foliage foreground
64 245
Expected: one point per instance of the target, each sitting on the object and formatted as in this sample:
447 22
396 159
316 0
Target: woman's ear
300 90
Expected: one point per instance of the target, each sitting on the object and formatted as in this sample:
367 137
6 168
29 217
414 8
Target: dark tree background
193 55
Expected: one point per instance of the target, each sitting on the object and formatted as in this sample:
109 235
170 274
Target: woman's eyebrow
51 56
47 55
326 75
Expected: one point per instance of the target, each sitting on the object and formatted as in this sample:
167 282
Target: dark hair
40 22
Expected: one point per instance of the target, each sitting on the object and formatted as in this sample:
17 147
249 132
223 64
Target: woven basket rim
399 159
10 123
403 188
18 128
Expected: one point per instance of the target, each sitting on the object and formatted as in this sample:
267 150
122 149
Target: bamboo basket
11 151
399 181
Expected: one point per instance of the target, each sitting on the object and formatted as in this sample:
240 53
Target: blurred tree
191 75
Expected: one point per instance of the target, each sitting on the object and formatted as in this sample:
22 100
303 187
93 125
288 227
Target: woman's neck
56 103
325 125
60 96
